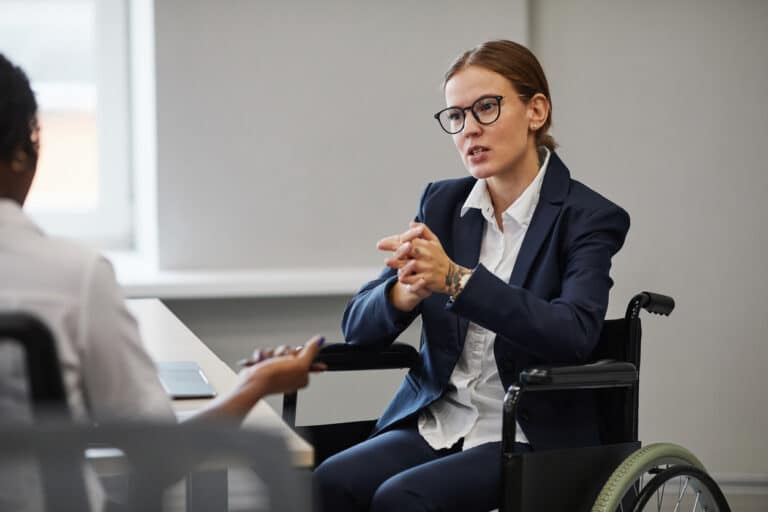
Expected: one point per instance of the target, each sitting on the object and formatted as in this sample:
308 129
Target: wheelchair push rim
628 479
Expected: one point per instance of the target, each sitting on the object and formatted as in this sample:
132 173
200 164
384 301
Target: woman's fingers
408 246
262 354
412 279
415 267
420 288
318 367
256 357
400 257
396 263
412 234
426 233
406 269
393 242
389 243
417 284
403 251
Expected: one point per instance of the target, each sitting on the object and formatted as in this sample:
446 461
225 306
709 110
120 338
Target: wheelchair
617 475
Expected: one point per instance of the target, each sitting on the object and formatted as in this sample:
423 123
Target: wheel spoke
660 496
696 502
680 496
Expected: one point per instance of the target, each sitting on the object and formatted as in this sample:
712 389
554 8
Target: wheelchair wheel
624 488
693 490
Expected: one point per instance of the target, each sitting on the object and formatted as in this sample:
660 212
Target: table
166 338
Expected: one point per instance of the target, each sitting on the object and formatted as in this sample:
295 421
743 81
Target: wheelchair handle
655 303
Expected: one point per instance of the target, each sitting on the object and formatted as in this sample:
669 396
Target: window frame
110 225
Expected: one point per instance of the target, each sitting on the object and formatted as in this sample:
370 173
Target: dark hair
517 64
18 112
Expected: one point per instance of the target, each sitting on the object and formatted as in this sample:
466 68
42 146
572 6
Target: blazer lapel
543 218
553 192
468 231
467 237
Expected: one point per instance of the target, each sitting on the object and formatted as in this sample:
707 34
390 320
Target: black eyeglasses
486 110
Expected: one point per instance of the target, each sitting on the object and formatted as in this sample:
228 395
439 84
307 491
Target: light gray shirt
107 373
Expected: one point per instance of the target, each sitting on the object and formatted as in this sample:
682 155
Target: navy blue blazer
550 312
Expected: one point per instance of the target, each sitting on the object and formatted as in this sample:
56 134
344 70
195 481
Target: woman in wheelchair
508 268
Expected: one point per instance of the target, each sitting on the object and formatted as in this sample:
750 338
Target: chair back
35 392
153 457
43 371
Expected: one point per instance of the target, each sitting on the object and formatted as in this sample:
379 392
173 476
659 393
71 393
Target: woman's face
496 149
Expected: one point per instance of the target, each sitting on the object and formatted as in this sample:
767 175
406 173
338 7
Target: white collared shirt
107 373
471 408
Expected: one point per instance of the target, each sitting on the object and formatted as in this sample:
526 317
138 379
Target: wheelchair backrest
619 340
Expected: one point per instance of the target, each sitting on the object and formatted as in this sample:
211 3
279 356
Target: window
75 53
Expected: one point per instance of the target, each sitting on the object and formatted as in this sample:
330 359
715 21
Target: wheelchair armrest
606 373
340 357
345 357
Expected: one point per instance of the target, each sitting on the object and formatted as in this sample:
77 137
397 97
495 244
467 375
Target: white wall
296 134
661 105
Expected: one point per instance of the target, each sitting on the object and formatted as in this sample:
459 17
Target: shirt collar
12 215
523 207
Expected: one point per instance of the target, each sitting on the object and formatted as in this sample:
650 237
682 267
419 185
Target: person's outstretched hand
283 370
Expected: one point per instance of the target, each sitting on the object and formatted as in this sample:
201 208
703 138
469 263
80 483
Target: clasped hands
422 266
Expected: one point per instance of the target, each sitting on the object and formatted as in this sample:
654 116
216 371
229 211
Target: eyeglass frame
471 108
497 97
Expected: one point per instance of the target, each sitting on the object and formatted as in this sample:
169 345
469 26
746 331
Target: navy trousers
399 471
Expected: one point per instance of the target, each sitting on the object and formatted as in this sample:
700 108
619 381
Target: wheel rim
632 471
680 488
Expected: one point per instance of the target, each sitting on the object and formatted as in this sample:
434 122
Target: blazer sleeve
370 318
564 329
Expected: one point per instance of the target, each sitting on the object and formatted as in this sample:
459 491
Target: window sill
139 277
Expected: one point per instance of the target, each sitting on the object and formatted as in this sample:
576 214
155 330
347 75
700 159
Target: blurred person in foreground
107 373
